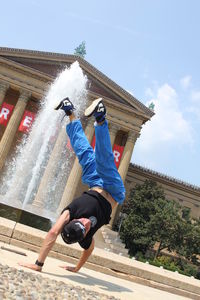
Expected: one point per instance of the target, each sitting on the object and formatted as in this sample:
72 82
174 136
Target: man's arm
49 241
84 257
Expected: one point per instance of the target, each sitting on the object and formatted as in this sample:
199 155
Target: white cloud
169 143
168 126
185 82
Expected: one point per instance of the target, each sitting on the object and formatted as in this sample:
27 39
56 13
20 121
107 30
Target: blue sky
149 47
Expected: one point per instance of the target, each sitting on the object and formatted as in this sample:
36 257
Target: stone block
5 239
6 227
69 250
24 245
28 234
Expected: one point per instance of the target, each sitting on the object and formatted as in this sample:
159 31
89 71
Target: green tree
190 247
151 218
80 50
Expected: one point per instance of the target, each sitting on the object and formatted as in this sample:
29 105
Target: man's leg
105 164
80 145
84 152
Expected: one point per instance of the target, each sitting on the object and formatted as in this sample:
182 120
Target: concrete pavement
101 262
88 279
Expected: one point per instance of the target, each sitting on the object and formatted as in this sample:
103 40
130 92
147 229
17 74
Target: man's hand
31 266
84 257
69 268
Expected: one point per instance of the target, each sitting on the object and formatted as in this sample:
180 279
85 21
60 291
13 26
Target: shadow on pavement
83 278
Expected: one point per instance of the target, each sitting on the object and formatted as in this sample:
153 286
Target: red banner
27 121
69 146
5 113
93 142
117 151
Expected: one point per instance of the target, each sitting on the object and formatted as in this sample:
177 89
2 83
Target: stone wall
185 194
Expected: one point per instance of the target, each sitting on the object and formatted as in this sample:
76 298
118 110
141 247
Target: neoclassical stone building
187 195
24 78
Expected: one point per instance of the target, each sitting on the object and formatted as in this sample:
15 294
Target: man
86 214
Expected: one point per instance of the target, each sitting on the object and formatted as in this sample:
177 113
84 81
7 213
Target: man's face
86 223
76 230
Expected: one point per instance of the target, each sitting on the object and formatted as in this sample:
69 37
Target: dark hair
73 232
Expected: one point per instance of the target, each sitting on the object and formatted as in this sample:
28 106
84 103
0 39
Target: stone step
113 236
120 251
120 247
109 231
114 242
116 250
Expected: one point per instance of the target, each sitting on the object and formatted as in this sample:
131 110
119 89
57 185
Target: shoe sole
58 106
61 103
89 111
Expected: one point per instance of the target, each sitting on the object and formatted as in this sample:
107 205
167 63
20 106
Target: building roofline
20 66
165 177
4 51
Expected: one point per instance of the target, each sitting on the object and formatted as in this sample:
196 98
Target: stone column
12 126
126 157
123 167
113 129
3 89
50 169
75 175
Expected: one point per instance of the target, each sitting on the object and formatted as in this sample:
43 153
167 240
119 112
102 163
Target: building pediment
50 64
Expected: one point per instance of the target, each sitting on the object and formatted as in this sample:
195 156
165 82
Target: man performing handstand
86 214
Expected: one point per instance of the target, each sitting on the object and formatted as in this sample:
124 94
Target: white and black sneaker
66 105
96 109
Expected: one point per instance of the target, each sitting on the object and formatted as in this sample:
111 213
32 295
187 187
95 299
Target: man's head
76 230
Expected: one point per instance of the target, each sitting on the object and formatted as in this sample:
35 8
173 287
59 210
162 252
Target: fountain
36 177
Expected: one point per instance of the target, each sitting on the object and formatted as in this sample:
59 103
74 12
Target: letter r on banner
117 151
5 113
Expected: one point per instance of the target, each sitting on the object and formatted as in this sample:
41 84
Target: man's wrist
77 269
39 264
